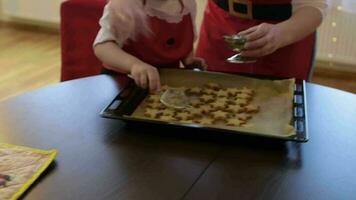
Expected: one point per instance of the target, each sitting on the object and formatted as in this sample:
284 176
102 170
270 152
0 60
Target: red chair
79 26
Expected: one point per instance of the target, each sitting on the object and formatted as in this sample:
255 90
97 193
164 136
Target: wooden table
106 159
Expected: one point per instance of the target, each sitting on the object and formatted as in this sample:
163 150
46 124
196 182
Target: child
136 36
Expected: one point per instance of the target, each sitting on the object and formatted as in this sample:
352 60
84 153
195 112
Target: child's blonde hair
128 18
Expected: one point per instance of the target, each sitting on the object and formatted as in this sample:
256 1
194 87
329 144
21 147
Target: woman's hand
146 76
262 40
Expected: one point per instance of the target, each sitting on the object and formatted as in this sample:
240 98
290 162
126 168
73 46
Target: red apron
294 60
168 44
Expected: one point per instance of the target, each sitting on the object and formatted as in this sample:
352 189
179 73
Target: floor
30 59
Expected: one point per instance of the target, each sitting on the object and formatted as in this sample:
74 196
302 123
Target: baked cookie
182 116
240 102
167 118
195 102
195 112
218 105
222 93
155 105
252 108
209 91
187 121
205 121
194 91
167 112
235 108
244 96
219 115
246 90
243 116
164 88
232 91
152 113
214 86
153 98
205 109
235 122
206 98
224 100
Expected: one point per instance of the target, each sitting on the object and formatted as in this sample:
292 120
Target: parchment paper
275 98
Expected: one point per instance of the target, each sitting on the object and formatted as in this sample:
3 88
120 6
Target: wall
43 11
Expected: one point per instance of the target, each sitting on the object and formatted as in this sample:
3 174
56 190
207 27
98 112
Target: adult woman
279 33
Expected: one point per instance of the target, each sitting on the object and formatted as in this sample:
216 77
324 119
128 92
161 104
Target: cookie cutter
175 98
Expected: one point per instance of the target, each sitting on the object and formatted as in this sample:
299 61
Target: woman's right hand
146 76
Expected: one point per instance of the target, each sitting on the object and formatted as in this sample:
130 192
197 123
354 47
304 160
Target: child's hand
145 76
191 62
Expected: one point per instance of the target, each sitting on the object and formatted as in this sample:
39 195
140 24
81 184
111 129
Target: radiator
38 10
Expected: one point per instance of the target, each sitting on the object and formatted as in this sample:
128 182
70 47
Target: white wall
36 10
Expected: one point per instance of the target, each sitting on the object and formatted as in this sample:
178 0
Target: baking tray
130 97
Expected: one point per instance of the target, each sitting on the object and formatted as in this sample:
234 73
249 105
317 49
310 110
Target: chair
79 26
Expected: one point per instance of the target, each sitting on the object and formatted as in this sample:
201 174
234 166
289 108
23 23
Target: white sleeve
105 33
192 7
321 5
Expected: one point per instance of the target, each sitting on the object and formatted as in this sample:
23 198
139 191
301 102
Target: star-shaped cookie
252 108
219 115
152 113
214 86
235 122
235 108
206 98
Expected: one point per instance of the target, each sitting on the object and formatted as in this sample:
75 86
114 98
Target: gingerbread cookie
235 108
214 86
187 121
218 105
209 91
222 93
195 102
244 96
152 113
232 91
167 118
247 91
243 116
153 98
182 116
164 88
235 122
205 109
205 121
155 105
219 115
206 98
196 112
167 112
252 108
194 91
224 100
240 102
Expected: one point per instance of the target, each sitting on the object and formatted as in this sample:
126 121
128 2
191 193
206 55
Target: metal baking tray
130 97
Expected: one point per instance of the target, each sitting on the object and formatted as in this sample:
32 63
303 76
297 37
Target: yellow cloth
24 165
